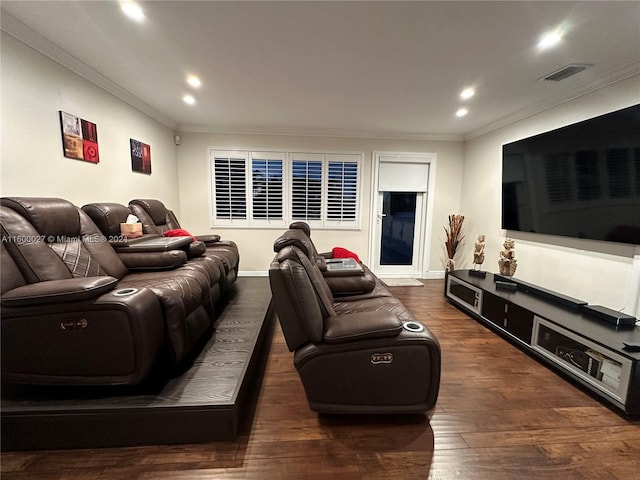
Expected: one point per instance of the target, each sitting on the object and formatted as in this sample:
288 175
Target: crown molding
617 76
33 39
295 132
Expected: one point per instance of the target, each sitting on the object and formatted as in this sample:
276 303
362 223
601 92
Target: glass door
398 228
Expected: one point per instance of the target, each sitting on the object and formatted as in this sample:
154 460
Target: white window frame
287 157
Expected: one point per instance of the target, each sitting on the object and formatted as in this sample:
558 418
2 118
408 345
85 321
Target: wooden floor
500 415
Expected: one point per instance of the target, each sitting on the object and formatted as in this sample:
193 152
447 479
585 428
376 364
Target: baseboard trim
433 275
253 273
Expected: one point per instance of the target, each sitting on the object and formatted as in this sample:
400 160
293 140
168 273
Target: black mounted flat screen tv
581 181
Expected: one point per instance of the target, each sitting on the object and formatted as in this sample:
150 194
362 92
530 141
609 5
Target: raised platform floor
205 403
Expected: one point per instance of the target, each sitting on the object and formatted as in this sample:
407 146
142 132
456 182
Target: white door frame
425 224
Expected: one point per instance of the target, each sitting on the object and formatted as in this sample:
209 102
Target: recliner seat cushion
181 295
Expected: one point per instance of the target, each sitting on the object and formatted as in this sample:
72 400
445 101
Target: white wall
256 244
597 272
32 163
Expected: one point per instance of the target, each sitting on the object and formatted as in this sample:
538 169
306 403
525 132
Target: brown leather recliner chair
362 356
74 314
351 284
156 218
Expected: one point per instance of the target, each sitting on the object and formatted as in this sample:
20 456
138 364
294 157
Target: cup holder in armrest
413 326
123 292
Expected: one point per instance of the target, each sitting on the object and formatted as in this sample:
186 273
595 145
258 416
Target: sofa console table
557 331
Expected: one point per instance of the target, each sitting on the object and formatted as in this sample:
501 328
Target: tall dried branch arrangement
454 234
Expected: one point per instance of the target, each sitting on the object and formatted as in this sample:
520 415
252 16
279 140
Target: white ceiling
337 68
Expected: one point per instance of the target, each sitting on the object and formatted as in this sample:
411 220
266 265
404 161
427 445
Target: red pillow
179 232
339 252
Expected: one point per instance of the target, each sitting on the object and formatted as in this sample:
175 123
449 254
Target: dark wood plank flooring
500 415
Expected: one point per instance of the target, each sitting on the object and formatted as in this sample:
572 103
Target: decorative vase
451 265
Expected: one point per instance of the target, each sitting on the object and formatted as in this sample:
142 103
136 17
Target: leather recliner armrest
322 263
59 291
196 249
154 260
208 239
343 273
361 325
351 284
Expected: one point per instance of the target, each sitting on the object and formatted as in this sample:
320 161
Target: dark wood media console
555 329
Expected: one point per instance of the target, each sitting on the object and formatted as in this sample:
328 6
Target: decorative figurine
478 253
478 258
507 261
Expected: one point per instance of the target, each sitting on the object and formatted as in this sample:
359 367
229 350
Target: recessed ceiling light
133 11
462 112
549 40
194 81
189 100
467 93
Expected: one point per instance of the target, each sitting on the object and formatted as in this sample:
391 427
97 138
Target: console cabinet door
520 322
512 318
494 309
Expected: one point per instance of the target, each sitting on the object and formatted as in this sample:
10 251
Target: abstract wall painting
79 138
140 157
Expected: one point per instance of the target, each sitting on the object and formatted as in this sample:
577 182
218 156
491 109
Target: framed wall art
140 157
79 138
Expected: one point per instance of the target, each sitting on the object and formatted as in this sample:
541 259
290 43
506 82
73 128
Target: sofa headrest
296 238
155 208
289 252
107 216
304 226
51 217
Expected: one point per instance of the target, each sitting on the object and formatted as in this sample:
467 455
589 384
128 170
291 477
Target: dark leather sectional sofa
357 348
82 306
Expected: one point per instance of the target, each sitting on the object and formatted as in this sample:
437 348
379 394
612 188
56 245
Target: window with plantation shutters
251 188
342 190
306 189
267 187
230 186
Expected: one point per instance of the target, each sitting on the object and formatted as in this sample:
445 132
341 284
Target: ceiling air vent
565 72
